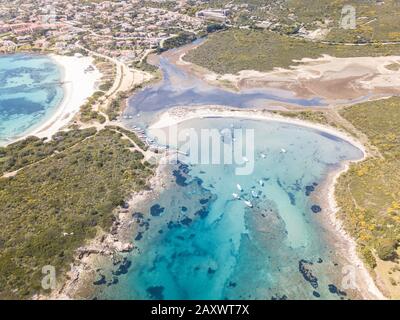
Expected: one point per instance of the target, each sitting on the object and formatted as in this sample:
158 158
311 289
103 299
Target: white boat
254 194
283 150
239 187
235 196
263 155
245 159
261 183
249 204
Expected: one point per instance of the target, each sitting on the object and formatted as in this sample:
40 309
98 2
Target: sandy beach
78 86
177 115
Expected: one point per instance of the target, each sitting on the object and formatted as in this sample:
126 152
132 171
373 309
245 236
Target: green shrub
386 249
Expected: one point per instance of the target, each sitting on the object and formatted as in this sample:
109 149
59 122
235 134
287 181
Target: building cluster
123 29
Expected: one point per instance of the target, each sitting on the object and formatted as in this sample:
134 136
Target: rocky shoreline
106 250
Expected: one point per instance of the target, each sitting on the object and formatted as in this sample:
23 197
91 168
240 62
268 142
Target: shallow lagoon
203 244
179 88
30 91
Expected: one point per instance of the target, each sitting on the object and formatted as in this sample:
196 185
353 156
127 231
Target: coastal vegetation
66 190
32 149
375 20
87 113
139 142
312 116
181 39
369 193
236 49
116 105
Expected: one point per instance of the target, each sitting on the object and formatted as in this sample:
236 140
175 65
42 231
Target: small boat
249 204
261 183
283 150
254 194
263 155
245 159
239 187
235 196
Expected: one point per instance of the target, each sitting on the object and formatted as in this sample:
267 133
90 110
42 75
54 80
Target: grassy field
369 193
374 22
238 49
71 190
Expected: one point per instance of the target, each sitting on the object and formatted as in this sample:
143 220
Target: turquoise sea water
30 91
197 242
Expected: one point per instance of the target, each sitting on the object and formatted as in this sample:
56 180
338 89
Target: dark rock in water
181 238
145 225
137 215
202 172
232 284
156 210
309 190
211 271
156 293
316 294
203 201
184 168
334 290
320 260
187 221
292 198
172 224
139 236
199 181
179 174
123 267
114 281
277 297
315 184
316 209
160 231
184 209
101 279
307 274
203 213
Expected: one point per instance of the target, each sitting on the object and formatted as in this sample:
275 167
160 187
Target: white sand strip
177 115
78 86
